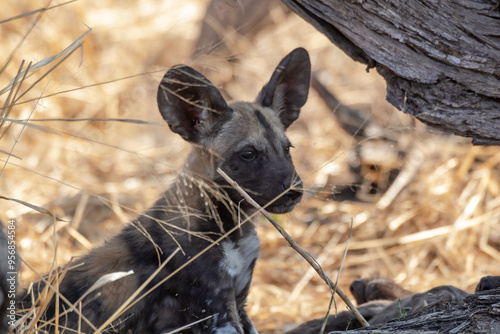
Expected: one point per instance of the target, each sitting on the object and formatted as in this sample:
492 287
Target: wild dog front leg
229 321
234 320
225 318
248 326
211 295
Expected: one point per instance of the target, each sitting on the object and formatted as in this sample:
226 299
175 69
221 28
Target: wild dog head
246 140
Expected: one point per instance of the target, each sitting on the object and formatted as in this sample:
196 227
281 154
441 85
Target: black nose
294 191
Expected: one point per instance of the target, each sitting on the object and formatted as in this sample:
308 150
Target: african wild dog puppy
248 142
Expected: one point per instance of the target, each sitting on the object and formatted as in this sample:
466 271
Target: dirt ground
430 216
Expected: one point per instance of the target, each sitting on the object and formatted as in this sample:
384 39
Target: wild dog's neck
202 189
200 163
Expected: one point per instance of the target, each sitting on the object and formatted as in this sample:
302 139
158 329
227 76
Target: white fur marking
238 258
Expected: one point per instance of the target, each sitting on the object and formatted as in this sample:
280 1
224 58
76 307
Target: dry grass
439 224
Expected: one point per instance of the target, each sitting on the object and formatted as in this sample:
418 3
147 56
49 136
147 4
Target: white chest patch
239 257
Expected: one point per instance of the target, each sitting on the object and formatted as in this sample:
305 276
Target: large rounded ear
287 90
190 104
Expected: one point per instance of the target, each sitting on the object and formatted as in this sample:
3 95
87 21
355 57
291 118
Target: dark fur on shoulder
248 142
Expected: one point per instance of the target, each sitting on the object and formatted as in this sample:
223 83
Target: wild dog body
248 142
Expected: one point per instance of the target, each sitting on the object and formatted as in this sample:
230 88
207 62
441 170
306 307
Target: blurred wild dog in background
381 300
245 140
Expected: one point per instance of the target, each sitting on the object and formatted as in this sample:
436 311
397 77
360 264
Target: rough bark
479 313
440 58
443 309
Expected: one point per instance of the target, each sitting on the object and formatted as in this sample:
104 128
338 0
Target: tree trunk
440 58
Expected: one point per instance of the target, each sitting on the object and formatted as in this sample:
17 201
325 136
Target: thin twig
39 10
294 245
92 85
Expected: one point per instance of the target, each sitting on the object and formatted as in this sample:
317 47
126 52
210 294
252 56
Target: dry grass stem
295 246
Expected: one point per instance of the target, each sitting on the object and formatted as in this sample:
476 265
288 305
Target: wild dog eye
248 154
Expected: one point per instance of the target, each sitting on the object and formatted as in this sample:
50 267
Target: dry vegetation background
442 227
